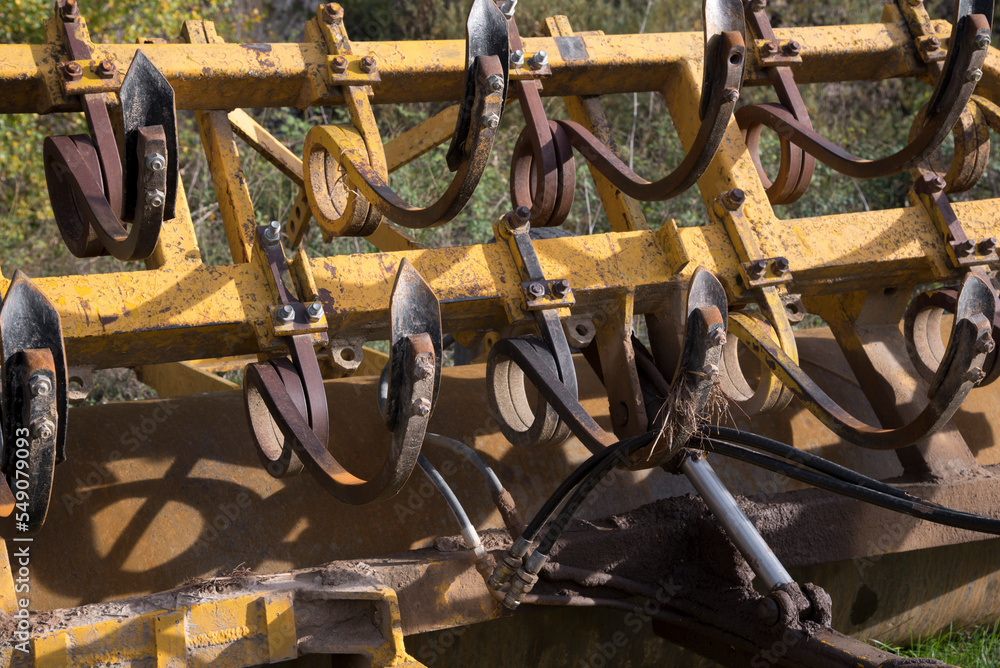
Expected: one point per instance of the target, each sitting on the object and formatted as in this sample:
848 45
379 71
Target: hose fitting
524 580
510 562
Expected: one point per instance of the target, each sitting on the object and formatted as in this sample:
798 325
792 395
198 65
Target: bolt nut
758 5
768 611
273 232
338 64
733 199
423 366
508 8
517 58
982 41
155 198
491 121
560 288
711 371
933 43
975 375
42 428
314 311
285 314
156 162
70 11
40 386
519 217
769 48
421 407
536 290
333 12
985 344
936 184
731 95
756 269
540 59
780 266
987 246
717 338
369 64
106 69
974 75
495 83
71 71
793 48
965 248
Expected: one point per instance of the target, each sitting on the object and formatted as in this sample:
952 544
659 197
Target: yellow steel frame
134 318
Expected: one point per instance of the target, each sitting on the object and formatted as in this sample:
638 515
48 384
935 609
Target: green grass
979 648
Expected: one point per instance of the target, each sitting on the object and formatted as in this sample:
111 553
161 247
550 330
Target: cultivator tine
564 281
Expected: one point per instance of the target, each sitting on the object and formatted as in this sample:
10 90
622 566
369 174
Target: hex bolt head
733 199
717 338
987 246
933 43
985 344
369 65
536 290
423 367
975 375
974 75
338 64
756 269
273 232
758 5
767 611
965 248
156 162
314 311
495 83
155 198
540 59
560 288
421 407
286 314
333 12
711 371
519 217
769 48
40 386
70 11
731 95
508 8
71 71
982 41
793 48
517 58
780 266
106 69
42 428
491 121
936 184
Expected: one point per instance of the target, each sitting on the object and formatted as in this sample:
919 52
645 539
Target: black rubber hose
915 508
806 459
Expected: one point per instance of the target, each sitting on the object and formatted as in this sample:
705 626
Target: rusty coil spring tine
509 362
953 91
721 97
328 472
525 426
971 155
77 233
479 143
922 331
81 206
276 452
960 371
524 181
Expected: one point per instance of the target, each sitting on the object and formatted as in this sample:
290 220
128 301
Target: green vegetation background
870 119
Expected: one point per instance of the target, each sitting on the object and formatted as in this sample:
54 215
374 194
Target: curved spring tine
960 371
353 155
697 369
313 453
952 92
485 35
84 209
724 80
413 309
